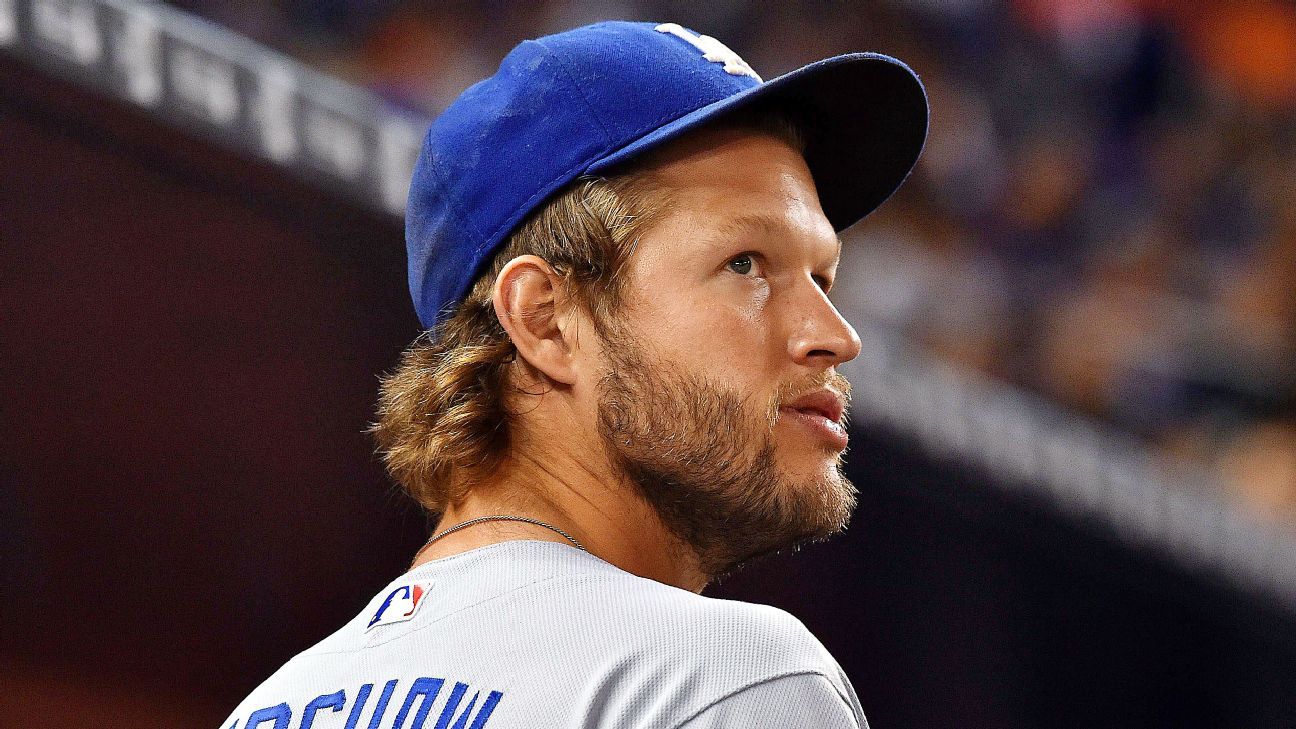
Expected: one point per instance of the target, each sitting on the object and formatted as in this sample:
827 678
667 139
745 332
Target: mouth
820 412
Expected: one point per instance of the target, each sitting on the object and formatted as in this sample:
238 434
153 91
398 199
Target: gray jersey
538 635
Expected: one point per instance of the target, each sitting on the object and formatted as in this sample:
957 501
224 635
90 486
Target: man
622 245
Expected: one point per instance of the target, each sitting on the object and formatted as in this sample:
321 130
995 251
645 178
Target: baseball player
621 245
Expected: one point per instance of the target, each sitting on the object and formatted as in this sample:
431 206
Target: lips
825 403
820 413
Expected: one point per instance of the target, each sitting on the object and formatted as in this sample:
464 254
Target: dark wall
191 349
187 497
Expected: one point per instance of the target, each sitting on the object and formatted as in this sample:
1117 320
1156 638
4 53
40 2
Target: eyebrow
762 222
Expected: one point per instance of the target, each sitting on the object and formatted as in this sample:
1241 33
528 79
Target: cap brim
863 115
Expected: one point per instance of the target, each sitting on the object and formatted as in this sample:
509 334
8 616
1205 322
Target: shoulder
724 629
684 653
796 700
612 613
642 610
590 608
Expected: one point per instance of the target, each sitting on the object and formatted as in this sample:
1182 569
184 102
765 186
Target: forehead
729 183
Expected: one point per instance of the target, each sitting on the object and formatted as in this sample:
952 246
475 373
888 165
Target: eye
823 283
742 264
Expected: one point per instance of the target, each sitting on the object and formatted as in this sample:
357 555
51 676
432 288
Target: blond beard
707 464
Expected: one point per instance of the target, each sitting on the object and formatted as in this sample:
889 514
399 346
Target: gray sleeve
788 702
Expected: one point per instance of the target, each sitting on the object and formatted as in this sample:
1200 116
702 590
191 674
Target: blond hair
442 424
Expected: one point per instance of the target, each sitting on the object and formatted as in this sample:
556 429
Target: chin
808 459
815 485
819 475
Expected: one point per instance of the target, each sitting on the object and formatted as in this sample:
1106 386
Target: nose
821 337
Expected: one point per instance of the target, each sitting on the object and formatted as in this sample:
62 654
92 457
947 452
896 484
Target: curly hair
443 424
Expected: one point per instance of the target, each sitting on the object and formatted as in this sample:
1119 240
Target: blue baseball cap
585 100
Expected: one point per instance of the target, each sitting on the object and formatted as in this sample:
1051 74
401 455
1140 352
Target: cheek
731 315
720 334
720 329
726 346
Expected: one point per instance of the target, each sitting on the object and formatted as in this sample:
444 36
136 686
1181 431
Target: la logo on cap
712 50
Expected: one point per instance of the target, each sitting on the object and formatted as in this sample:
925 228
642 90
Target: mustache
830 379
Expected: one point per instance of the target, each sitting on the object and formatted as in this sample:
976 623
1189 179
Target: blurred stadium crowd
1105 213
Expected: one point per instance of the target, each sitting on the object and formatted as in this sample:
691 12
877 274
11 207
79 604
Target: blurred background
1075 424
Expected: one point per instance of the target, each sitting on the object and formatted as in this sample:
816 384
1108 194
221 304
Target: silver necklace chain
502 517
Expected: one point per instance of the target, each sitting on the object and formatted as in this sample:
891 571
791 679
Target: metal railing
1030 445
224 87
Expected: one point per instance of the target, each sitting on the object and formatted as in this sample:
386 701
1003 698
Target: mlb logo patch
399 605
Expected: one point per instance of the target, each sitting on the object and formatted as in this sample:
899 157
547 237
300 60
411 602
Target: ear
532 306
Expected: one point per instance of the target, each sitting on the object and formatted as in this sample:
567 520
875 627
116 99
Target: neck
611 521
